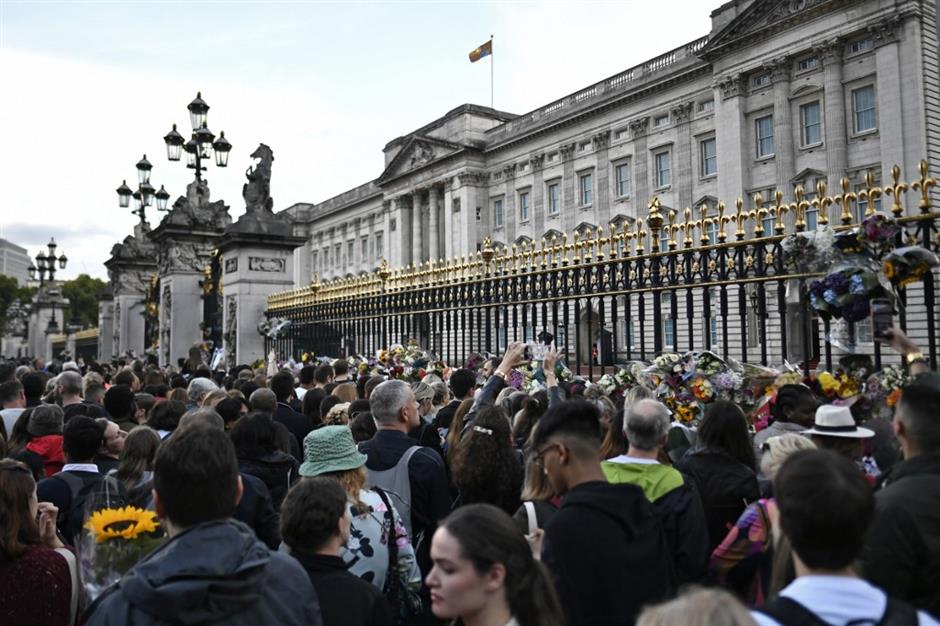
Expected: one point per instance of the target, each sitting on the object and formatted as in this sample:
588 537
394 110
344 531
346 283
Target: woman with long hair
36 571
453 434
539 499
486 467
747 560
615 441
722 465
135 468
484 573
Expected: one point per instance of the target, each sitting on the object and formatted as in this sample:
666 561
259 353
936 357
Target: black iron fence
710 278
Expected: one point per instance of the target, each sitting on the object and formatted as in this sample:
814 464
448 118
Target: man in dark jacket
213 570
673 496
903 547
282 384
602 533
462 383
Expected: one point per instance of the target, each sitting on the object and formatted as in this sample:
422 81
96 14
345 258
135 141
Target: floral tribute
116 538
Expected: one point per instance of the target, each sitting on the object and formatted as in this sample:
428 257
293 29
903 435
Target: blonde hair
338 415
214 397
345 392
352 481
777 449
698 607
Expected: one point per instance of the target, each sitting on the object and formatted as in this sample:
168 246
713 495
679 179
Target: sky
87 88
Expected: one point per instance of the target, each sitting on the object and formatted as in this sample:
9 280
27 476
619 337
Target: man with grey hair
203 417
68 388
414 474
265 401
673 496
198 389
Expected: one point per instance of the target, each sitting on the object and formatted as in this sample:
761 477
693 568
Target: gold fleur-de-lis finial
923 185
896 190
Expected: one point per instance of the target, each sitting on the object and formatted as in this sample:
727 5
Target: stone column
447 243
784 152
569 188
638 129
397 242
434 251
105 327
684 166
538 197
602 172
256 251
830 53
889 111
417 245
732 140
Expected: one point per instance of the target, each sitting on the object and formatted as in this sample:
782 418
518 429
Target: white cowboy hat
837 421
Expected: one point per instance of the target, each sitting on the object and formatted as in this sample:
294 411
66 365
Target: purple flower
837 282
817 288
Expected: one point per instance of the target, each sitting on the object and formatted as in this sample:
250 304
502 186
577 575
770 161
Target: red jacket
49 447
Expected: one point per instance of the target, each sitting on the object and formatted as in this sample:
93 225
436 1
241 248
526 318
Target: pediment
418 152
807 175
711 201
765 18
552 235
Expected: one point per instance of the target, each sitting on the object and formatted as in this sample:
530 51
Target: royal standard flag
483 51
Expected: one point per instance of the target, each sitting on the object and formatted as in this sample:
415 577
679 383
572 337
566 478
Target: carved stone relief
166 306
266 264
231 265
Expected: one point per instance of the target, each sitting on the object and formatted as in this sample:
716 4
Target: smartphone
882 317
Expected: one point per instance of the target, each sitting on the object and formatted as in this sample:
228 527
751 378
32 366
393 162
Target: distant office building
14 261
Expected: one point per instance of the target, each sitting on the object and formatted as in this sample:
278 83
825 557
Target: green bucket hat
330 449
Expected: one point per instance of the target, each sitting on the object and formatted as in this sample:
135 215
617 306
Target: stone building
780 94
14 261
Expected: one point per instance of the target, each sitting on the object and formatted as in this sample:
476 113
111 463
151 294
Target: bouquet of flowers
846 293
906 265
883 389
116 539
807 251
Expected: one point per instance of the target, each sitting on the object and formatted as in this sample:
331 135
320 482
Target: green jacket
655 479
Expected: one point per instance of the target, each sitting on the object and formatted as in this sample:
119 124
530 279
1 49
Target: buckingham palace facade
780 95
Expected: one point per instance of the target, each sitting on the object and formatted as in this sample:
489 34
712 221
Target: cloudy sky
88 87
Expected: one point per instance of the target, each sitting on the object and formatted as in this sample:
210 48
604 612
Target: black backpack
97 491
791 613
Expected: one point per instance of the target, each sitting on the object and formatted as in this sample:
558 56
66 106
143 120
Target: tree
83 294
10 290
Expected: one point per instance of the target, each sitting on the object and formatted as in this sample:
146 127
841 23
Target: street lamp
145 194
46 263
201 144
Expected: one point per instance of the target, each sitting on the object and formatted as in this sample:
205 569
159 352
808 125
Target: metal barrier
708 278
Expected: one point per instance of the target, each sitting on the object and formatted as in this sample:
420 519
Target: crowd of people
321 496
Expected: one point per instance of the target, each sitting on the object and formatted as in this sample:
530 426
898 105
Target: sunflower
125 523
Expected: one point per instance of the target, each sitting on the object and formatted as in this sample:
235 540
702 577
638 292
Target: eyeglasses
539 457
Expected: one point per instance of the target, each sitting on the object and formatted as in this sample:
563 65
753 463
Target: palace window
326 259
350 252
524 206
709 149
811 124
622 176
706 106
669 324
807 64
628 339
379 250
553 204
661 120
587 195
863 107
498 213
364 248
862 200
760 80
764 127
862 45
337 255
663 170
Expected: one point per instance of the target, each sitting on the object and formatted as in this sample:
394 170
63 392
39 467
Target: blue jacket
212 573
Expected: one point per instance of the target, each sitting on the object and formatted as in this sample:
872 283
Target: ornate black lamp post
145 194
48 263
202 143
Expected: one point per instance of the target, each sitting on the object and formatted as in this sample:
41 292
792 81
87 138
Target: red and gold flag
483 51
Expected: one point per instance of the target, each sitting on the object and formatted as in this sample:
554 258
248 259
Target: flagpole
491 72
